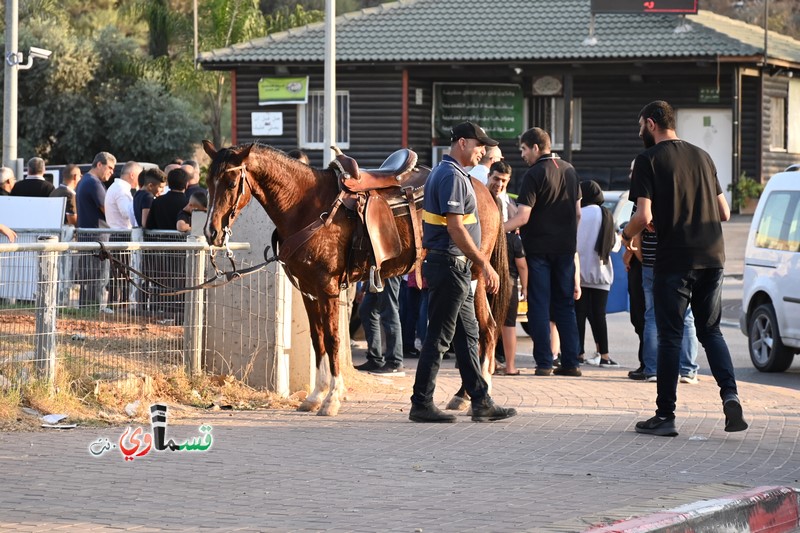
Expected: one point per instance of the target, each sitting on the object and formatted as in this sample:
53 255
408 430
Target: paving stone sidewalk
569 460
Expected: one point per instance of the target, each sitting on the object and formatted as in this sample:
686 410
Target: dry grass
97 376
105 404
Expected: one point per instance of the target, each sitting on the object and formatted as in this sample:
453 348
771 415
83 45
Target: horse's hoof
457 403
307 406
330 409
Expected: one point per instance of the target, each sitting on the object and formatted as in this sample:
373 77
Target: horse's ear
209 148
246 151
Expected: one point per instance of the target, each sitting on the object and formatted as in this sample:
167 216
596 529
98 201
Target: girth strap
417 229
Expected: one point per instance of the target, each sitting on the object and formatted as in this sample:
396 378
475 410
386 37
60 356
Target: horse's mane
226 154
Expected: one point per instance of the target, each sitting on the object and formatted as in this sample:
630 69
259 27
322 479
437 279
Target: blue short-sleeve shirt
449 190
90 197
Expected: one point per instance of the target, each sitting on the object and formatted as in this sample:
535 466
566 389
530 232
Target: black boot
429 413
487 411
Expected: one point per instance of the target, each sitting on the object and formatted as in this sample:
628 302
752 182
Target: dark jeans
672 293
383 309
91 275
592 305
637 305
409 314
451 319
551 286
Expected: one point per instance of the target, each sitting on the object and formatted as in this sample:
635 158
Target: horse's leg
314 400
329 312
488 333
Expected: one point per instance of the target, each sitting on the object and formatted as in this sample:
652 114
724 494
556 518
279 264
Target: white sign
32 212
267 123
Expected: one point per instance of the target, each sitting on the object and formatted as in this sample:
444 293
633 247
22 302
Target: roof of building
512 30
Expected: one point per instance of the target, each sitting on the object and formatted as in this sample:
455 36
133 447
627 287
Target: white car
771 293
617 202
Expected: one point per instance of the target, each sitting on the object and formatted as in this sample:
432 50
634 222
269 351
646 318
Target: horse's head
228 190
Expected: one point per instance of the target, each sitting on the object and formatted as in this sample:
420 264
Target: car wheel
764 339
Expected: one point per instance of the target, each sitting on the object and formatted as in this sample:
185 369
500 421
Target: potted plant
746 193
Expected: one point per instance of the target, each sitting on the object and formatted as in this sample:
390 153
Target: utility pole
329 101
194 21
12 66
10 89
766 30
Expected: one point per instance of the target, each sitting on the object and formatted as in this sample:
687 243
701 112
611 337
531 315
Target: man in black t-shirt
675 187
152 182
549 206
164 216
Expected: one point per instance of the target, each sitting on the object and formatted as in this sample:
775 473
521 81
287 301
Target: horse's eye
231 184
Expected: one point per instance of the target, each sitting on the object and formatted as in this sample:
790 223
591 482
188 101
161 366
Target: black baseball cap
468 130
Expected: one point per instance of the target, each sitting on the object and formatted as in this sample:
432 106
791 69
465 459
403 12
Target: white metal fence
66 317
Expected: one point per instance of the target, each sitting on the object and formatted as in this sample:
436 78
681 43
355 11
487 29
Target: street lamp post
10 89
13 64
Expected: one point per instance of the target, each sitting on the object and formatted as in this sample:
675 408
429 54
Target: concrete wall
254 331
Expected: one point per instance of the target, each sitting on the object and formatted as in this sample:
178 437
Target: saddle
372 194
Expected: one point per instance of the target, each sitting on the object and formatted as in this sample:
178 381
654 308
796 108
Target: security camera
40 53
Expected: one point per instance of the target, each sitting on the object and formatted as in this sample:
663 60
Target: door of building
711 130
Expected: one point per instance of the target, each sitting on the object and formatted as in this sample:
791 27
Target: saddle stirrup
375 282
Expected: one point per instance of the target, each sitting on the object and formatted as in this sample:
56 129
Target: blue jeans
413 314
673 292
688 359
551 285
383 308
451 319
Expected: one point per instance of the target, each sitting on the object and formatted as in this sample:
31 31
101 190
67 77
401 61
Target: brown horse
296 196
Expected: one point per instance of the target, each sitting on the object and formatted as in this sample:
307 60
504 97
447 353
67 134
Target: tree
285 18
165 128
223 23
98 91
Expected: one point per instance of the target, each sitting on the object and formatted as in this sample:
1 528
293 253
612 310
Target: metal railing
67 318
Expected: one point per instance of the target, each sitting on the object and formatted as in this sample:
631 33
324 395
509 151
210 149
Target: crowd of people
136 197
560 239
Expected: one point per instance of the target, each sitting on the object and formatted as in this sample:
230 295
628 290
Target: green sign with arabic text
279 91
496 107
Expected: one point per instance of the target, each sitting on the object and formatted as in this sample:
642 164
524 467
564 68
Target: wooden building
408 70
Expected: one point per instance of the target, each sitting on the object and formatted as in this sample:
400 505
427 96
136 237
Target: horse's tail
499 261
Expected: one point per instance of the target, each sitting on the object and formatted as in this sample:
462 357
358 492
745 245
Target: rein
124 271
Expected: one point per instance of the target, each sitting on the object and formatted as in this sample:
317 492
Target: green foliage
167 28
746 188
149 124
285 18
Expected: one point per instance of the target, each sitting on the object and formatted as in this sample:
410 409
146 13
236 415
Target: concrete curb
762 509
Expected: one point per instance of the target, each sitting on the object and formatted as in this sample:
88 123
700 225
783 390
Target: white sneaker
692 380
418 344
652 379
594 361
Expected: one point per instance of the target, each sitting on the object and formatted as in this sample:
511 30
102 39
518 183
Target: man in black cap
451 233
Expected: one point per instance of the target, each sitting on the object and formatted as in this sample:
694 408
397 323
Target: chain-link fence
69 316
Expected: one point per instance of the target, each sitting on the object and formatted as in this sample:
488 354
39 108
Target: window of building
777 125
548 114
311 120
793 117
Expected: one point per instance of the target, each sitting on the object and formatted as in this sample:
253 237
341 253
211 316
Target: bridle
232 216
